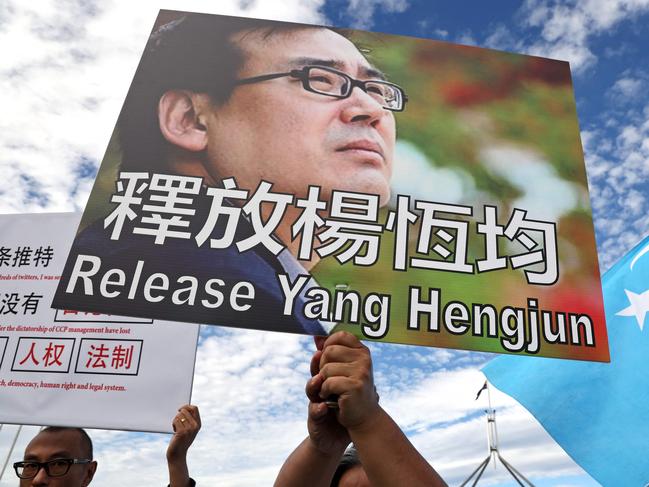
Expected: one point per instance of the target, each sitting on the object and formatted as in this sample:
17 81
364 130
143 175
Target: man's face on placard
53 445
277 131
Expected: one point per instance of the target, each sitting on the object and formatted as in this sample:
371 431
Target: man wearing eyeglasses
229 99
63 457
57 457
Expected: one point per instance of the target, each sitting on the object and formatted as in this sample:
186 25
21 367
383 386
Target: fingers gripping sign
325 432
186 425
331 401
342 366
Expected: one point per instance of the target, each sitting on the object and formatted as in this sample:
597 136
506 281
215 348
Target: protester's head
57 457
350 472
314 126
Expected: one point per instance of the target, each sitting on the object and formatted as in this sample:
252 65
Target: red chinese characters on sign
53 354
43 354
122 357
107 356
97 356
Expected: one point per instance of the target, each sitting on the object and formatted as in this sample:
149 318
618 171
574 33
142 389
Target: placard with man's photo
309 179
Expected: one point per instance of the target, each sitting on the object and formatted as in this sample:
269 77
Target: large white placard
67 368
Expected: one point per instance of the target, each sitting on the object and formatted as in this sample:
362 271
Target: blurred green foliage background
467 107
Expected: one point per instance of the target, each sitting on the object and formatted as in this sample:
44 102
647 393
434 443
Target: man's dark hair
349 459
192 52
86 442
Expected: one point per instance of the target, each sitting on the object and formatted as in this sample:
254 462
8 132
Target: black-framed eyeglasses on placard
327 81
53 468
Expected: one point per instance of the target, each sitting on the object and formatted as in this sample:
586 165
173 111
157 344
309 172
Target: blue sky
64 71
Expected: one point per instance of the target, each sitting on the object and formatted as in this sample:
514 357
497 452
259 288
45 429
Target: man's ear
179 121
90 473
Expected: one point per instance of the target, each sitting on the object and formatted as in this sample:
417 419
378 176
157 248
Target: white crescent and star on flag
638 303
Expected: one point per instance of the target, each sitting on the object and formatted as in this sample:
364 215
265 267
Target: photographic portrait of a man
291 104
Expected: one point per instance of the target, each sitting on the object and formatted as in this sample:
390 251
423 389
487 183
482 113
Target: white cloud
425 28
567 29
500 38
443 33
635 201
467 38
617 160
361 12
628 87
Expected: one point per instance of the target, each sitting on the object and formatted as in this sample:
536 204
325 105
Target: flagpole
493 451
480 470
11 449
492 434
510 466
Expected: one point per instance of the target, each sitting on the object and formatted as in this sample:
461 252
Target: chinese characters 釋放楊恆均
160 205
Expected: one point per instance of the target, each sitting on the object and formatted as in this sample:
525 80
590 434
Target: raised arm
186 425
386 454
314 461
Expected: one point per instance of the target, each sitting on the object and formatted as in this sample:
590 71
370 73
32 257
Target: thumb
318 411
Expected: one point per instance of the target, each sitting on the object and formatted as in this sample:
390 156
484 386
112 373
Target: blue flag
597 412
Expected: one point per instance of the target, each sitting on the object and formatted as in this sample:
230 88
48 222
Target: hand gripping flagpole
493 452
